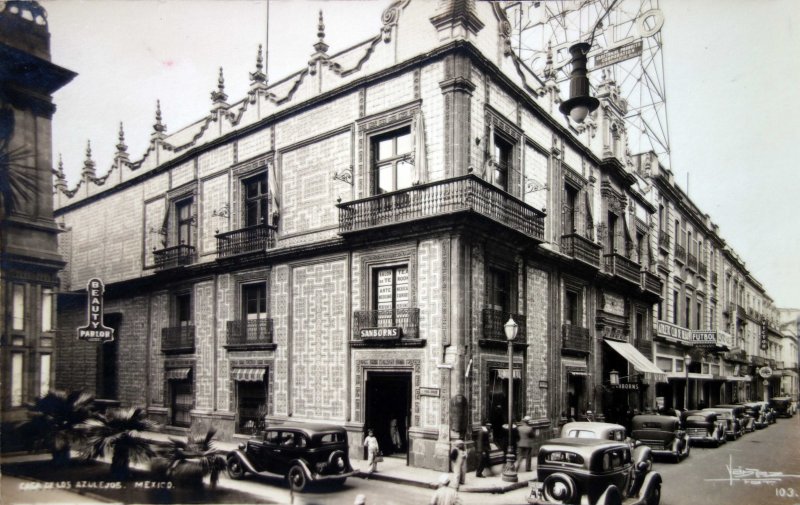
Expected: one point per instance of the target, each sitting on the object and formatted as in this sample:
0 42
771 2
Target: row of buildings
347 244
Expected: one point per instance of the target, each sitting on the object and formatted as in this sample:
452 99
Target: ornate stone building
347 244
29 258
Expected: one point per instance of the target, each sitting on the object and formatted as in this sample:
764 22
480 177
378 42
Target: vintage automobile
703 427
663 434
585 471
747 422
758 412
302 453
733 426
782 405
587 429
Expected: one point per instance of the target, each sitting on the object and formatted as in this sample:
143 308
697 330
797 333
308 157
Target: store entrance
388 410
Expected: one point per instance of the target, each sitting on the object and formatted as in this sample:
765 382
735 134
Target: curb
494 489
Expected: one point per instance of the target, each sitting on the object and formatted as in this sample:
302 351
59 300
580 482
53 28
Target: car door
260 453
282 452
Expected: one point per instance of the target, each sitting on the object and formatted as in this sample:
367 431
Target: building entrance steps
395 470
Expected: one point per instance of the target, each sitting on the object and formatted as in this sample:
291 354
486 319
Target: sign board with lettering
617 54
424 391
764 338
673 332
630 386
95 331
704 338
382 333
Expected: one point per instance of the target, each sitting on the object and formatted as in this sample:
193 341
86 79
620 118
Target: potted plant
193 459
118 431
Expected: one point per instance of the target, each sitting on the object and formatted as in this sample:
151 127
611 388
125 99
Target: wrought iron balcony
616 264
398 326
177 339
250 333
575 339
714 277
245 240
692 262
702 269
651 283
464 194
173 257
680 253
494 327
663 240
581 248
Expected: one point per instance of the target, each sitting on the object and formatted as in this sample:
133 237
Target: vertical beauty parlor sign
94 331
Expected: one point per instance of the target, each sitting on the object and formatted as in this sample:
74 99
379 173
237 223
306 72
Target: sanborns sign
383 333
94 331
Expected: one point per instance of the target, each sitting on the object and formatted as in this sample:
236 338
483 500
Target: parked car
601 431
758 412
703 427
301 453
782 405
733 426
663 434
594 472
747 422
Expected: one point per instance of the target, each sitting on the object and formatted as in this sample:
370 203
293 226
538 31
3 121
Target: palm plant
118 431
195 458
54 422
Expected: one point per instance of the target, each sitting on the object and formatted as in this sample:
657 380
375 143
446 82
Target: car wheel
655 495
559 488
236 469
297 478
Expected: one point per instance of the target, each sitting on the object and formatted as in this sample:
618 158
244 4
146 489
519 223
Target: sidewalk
395 470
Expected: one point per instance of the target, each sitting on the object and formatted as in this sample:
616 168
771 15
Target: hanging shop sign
764 338
382 333
630 386
704 338
765 372
618 54
95 331
673 332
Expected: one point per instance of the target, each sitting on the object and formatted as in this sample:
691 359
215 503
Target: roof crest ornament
121 147
219 96
159 127
258 76
88 164
321 46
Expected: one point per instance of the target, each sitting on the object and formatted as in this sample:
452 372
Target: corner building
346 245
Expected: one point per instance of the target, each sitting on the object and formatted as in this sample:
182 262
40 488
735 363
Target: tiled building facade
29 257
346 245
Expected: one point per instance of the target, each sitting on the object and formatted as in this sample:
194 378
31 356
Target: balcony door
183 213
255 200
254 307
391 158
391 294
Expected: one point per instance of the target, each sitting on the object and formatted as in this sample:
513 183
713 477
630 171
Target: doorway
388 410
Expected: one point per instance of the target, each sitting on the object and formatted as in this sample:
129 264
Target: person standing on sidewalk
394 433
483 449
444 494
373 452
525 443
458 456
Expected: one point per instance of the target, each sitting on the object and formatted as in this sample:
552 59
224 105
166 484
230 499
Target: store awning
248 374
178 374
639 361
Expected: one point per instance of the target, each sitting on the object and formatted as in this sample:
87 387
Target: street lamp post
510 471
687 360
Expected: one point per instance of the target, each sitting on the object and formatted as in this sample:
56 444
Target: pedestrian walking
394 433
373 452
458 457
444 494
525 443
483 449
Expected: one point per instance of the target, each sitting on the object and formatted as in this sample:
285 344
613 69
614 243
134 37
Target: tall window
713 321
182 401
18 308
677 232
570 199
502 162
47 309
612 232
662 300
254 308
675 298
688 308
44 374
16 378
661 217
499 290
251 403
390 288
391 160
183 213
571 308
255 200
640 247
183 309
639 327
699 316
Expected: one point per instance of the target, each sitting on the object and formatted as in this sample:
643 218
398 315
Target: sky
731 83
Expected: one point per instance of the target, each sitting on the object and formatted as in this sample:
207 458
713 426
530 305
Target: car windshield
564 457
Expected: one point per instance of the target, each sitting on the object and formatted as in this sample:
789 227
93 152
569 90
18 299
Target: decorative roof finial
549 73
121 147
88 164
219 96
59 173
321 46
159 127
259 60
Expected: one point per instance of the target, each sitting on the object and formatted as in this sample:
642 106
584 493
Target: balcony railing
663 240
714 277
380 324
581 248
619 265
692 262
460 194
172 257
680 253
250 332
651 283
494 322
245 240
575 338
177 339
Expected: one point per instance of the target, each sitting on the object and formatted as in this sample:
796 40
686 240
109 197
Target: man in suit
525 443
482 446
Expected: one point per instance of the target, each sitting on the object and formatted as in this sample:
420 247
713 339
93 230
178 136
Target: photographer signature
752 476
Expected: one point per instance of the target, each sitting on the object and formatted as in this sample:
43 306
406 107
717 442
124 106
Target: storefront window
251 398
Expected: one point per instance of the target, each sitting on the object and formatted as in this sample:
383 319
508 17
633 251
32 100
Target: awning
178 374
639 361
736 378
248 374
